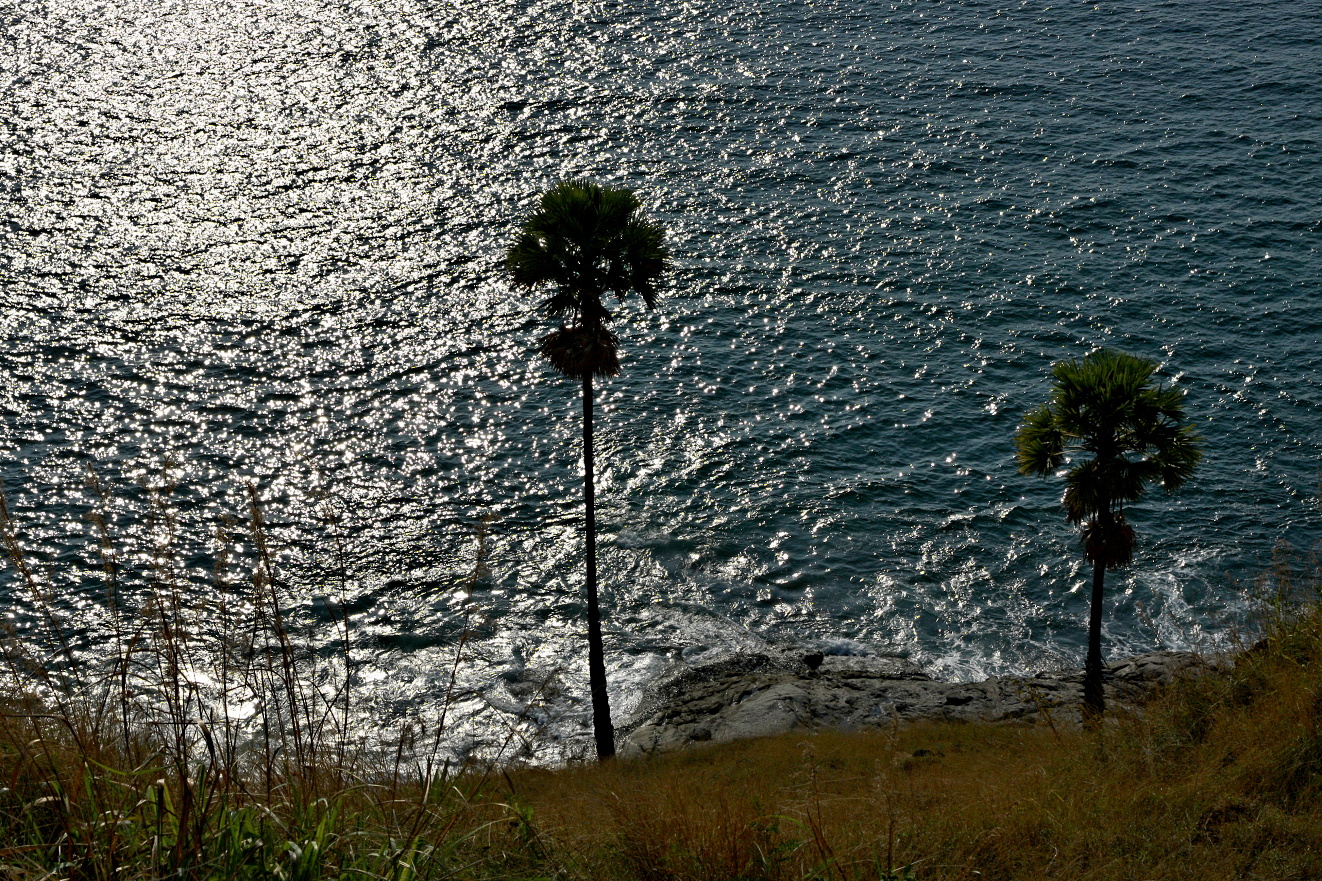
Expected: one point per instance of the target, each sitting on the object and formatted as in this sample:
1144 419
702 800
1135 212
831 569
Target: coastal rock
763 695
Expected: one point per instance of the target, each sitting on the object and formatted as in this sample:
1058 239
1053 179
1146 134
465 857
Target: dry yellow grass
1221 778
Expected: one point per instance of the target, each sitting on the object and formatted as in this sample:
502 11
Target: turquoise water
261 242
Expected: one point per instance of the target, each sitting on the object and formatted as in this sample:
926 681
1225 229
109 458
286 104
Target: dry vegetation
1220 778
132 776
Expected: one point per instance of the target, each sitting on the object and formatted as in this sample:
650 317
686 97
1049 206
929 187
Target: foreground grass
136 769
1221 777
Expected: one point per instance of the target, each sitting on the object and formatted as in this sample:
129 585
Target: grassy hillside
132 774
1219 778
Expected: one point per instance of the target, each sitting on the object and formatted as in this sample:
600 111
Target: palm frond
1040 443
1126 431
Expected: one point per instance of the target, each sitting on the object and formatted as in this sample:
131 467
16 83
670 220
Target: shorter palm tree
583 241
1109 407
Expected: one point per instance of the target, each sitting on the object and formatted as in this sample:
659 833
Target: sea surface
259 244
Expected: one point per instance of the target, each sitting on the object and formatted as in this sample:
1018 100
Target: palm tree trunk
1094 701
601 709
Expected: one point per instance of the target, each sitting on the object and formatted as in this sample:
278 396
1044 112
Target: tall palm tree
583 241
1109 407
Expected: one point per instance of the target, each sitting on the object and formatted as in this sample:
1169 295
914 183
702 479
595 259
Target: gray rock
765 695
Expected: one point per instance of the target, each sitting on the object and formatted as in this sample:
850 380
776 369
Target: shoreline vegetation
158 765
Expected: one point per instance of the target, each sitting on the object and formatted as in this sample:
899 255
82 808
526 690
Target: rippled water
261 241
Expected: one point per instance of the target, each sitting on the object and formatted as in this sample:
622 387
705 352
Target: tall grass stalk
202 738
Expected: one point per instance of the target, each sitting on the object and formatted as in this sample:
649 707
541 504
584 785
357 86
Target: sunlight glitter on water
261 242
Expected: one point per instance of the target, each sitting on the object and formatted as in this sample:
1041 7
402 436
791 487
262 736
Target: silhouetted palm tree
583 241
1107 406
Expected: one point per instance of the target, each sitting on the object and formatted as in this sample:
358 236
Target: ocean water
259 243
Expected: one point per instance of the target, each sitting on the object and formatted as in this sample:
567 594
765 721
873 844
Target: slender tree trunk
601 709
1094 701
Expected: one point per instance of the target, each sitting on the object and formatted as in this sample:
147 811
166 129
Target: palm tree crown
1107 405
584 241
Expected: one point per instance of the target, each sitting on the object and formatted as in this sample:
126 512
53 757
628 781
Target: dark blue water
261 242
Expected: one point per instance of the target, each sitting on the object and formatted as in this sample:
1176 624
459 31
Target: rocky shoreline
765 695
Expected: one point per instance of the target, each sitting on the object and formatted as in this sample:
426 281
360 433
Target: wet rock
765 695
